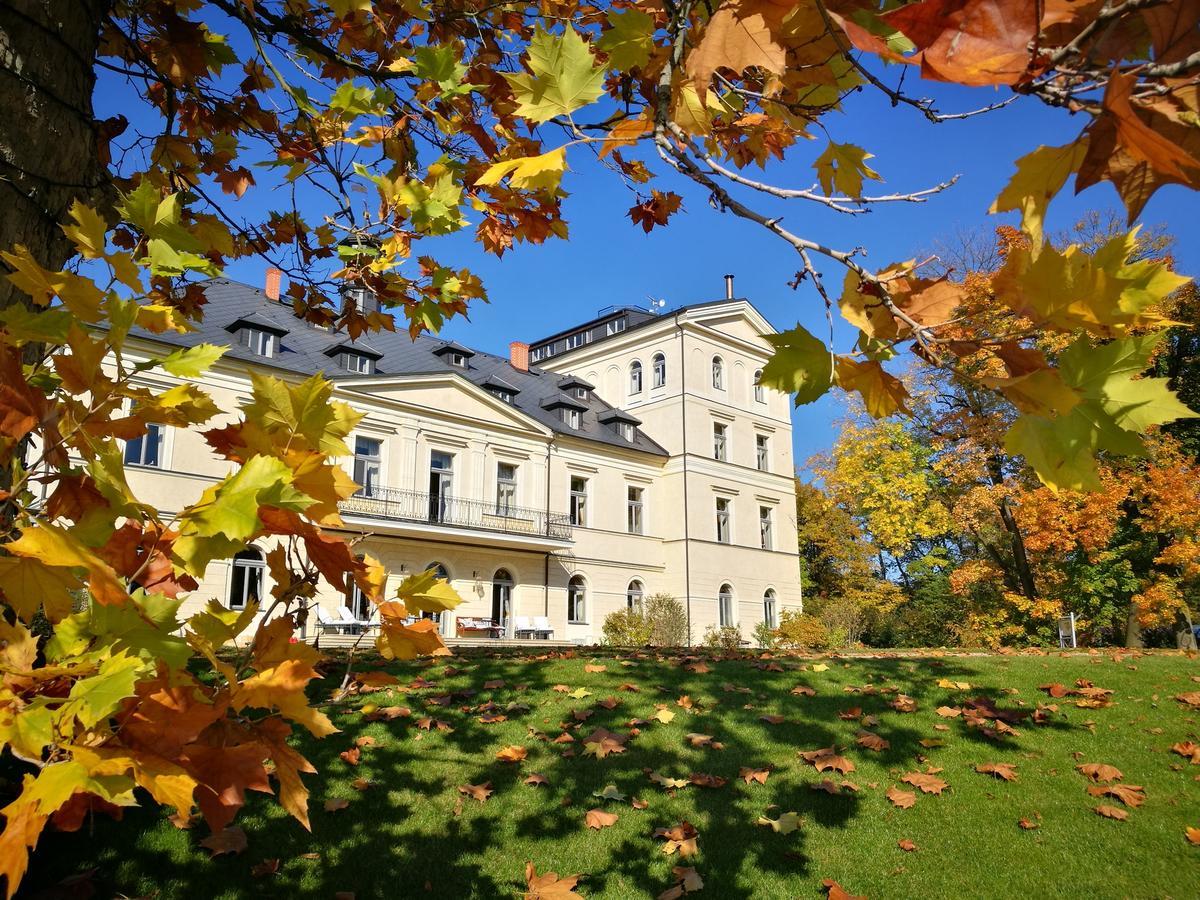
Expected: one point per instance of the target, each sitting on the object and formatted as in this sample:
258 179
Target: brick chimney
518 355
274 276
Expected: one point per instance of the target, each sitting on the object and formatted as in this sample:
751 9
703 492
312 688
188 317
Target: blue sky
608 261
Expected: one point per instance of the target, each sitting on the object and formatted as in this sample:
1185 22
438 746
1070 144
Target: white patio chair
326 621
350 621
522 625
541 627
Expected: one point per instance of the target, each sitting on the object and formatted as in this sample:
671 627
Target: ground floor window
502 587
770 610
634 594
577 601
725 606
245 583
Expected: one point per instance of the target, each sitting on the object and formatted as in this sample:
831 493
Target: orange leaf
598 818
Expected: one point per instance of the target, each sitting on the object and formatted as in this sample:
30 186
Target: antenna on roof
655 306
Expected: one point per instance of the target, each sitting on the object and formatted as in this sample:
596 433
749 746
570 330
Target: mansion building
630 455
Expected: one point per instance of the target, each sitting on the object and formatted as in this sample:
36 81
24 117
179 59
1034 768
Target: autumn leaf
478 792
601 742
842 168
511 754
928 784
628 40
679 839
735 38
598 818
748 774
901 798
1004 771
563 76
835 891
1111 812
1130 794
785 824
871 741
231 839
656 210
532 173
906 845
687 881
1039 177
536 779
801 365
548 886
1100 772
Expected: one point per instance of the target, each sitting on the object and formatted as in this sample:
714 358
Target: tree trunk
48 138
1185 637
1133 629
1017 542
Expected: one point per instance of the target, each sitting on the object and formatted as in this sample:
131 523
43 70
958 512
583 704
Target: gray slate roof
302 350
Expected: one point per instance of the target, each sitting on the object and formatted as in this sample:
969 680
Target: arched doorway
502 592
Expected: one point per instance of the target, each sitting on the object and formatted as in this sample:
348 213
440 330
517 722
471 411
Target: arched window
770 612
725 605
660 370
760 393
245 584
502 587
577 600
356 601
634 594
635 377
718 373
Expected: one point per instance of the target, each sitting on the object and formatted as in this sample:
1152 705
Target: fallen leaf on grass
928 784
333 804
837 892
511 754
681 839
748 774
1029 824
601 742
1111 812
771 719
803 690
593 667
609 792
1193 835
904 704
700 779
361 784
854 712
906 845
1188 750
699 740
785 824
351 756
1006 771
1191 699
871 741
479 792
687 880
548 886
669 783
493 684
949 712
664 715
230 839
954 685
1100 772
598 818
820 667
1129 794
536 779
264 868
365 741
901 798
827 758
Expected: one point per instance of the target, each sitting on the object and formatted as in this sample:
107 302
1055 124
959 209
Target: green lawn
411 833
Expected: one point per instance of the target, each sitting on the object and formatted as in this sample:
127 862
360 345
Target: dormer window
626 430
616 326
623 423
455 354
576 340
257 341
581 393
576 387
257 334
356 363
572 417
507 396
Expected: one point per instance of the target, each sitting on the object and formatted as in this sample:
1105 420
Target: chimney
518 356
728 287
274 276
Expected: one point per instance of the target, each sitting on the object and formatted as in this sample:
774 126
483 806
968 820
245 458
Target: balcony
432 510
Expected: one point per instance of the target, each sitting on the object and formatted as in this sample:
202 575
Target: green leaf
433 209
353 100
230 507
1061 451
842 167
48 326
564 76
425 592
193 361
801 364
95 698
629 40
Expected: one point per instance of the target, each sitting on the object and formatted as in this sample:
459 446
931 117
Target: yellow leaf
1039 176
398 640
87 234
426 592
29 584
54 546
529 172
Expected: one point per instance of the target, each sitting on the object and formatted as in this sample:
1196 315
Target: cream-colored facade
531 520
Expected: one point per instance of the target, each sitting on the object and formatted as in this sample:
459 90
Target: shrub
765 635
799 630
727 638
669 620
627 628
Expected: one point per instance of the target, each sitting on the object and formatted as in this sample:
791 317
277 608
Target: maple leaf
511 754
655 210
801 365
836 892
1100 772
548 886
666 782
928 784
699 740
906 845
785 824
736 38
971 42
771 719
231 839
949 712
748 774
1193 835
688 881
601 742
598 818
427 592
351 756
663 715
478 792
803 690
900 798
629 39
536 779
680 839
872 741
1130 794
533 173
609 792
1111 812
1188 750
563 76
842 167
709 781
1039 176
1005 771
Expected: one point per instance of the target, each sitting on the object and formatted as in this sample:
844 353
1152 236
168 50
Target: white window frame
358 363
766 528
577 506
577 600
718 373
771 608
762 452
635 594
578 339
258 341
141 443
258 566
616 326
506 488
581 393
367 465
635 377
635 509
760 392
720 441
659 364
456 359
726 607
724 517
572 418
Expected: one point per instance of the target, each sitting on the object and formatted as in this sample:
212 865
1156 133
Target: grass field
410 832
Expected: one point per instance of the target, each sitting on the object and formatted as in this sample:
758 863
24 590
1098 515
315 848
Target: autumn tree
367 129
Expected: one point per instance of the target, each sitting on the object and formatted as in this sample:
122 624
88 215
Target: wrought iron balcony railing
456 512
